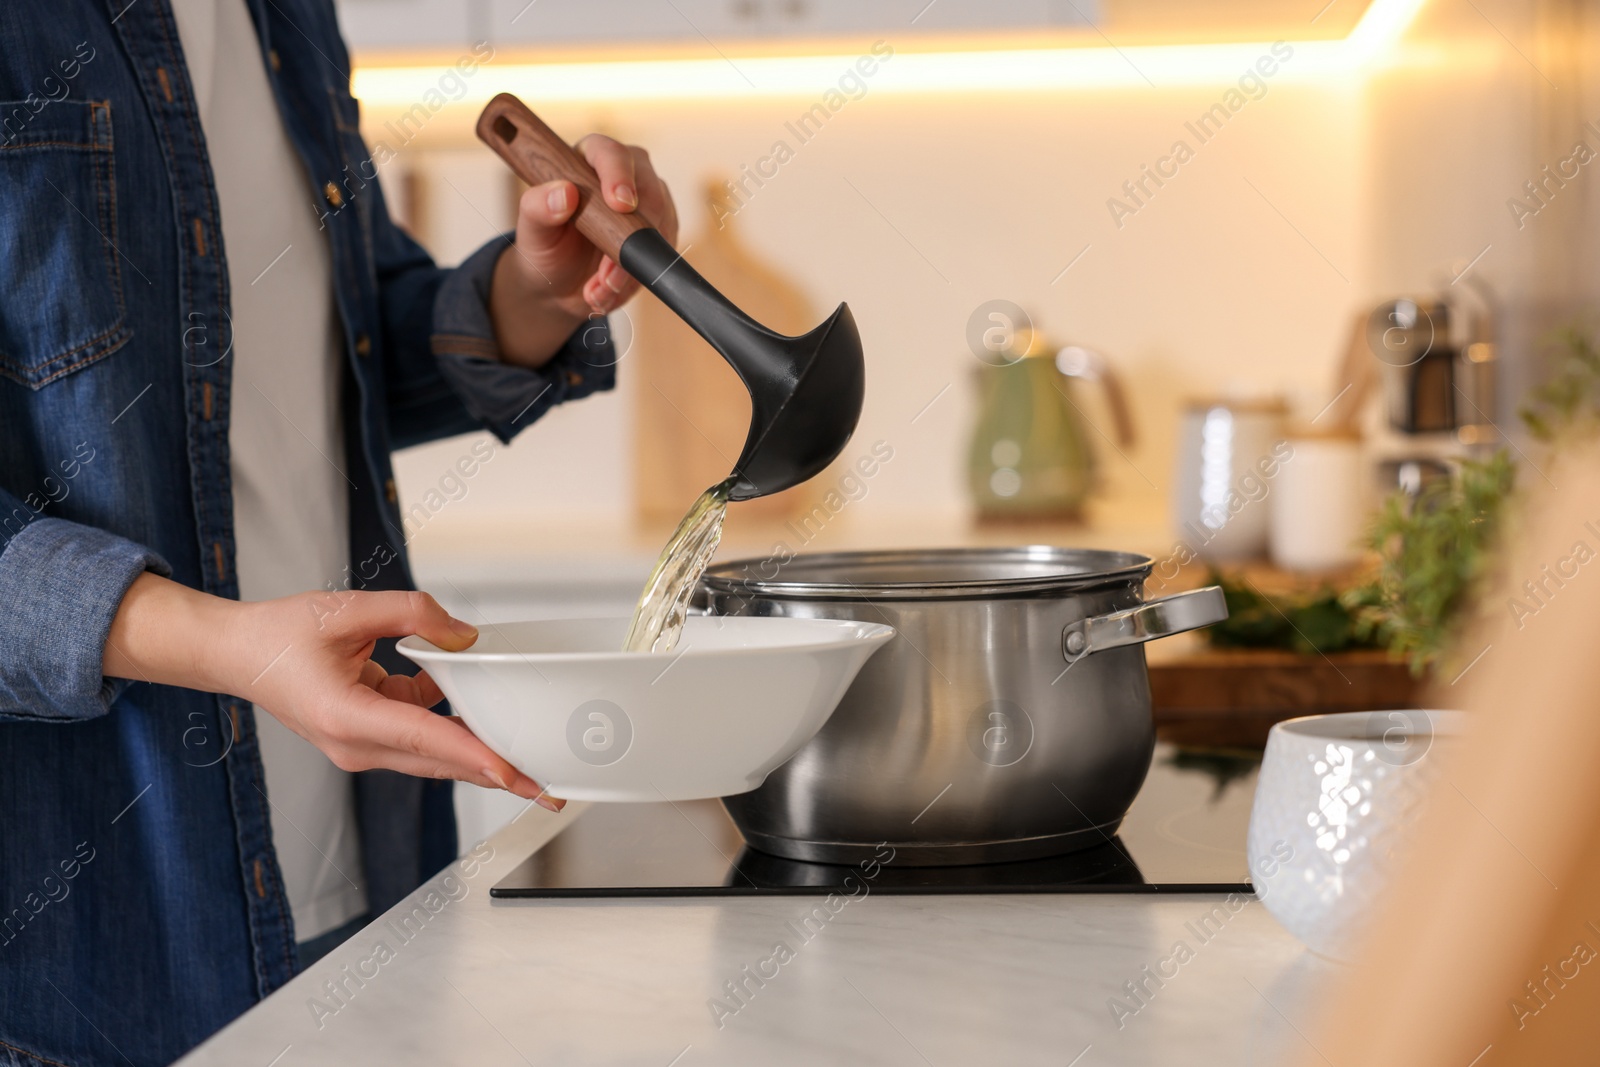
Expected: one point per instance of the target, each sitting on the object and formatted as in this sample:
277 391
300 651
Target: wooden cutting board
1230 698
691 411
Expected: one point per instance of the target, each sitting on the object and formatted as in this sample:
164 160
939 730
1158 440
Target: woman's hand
552 279
307 660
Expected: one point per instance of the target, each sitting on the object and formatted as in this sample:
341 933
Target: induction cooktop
1184 834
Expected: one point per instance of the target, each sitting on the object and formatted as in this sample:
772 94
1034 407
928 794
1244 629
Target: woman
211 338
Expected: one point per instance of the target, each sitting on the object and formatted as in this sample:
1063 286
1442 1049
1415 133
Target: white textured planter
1335 799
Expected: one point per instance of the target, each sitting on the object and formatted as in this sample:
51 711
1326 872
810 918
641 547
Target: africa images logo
999 732
599 732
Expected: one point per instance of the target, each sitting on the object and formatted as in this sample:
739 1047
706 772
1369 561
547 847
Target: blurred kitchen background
1352 199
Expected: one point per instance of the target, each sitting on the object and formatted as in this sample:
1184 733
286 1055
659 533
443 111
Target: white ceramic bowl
714 717
1335 804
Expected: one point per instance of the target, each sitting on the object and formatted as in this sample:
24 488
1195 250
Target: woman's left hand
552 279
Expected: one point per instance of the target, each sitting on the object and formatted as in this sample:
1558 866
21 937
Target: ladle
805 392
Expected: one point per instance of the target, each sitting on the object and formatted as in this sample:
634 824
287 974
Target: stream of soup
658 620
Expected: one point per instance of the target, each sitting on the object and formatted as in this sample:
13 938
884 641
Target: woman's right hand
307 659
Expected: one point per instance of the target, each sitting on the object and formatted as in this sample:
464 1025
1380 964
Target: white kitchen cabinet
376 25
400 25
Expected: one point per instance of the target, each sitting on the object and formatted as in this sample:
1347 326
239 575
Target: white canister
1335 803
1230 452
1318 504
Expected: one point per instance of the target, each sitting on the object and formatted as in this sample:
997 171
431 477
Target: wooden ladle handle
538 155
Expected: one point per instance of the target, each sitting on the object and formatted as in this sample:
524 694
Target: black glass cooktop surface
1184 834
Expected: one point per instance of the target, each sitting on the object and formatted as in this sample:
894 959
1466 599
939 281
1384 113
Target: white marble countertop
1026 979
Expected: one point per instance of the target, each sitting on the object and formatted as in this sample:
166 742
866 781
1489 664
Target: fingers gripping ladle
805 392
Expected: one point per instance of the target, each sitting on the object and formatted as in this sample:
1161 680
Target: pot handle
1134 626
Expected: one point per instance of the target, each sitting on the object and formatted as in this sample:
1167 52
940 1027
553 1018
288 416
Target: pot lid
927 573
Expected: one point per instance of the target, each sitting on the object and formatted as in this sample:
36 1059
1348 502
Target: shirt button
389 491
272 58
363 345
330 193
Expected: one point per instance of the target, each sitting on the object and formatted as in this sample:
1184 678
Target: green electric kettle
1031 456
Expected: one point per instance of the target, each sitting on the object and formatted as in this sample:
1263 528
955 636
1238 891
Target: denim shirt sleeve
61 584
502 396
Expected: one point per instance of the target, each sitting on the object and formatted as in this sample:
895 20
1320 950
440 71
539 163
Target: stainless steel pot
1009 718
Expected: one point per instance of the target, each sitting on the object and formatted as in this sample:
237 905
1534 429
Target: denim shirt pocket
62 307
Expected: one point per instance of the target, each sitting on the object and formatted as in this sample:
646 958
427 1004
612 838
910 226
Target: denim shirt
141 905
